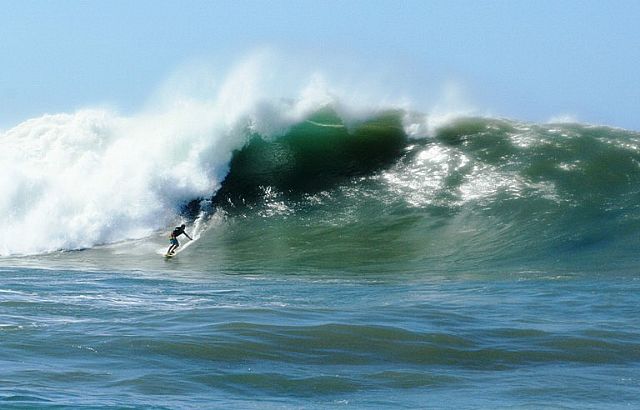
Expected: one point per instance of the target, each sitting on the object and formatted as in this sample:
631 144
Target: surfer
173 239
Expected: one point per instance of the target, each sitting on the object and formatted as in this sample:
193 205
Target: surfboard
169 255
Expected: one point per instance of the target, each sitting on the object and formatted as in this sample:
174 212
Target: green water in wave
479 194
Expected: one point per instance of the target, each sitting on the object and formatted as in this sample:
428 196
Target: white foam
452 104
563 119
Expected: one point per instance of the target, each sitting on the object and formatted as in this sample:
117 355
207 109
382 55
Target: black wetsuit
177 232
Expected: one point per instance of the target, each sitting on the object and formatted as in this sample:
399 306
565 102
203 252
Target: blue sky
529 60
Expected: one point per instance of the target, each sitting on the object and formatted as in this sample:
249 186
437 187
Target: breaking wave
469 188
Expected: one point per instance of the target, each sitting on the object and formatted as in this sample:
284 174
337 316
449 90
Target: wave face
478 192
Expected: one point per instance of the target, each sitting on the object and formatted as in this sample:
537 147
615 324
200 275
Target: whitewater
77 180
350 250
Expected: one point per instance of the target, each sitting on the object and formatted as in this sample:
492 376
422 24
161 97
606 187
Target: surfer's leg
174 245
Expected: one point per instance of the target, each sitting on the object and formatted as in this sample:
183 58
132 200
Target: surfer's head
183 226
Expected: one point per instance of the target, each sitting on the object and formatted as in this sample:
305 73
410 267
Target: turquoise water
189 340
491 265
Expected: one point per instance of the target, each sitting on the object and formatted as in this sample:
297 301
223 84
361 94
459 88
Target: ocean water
341 259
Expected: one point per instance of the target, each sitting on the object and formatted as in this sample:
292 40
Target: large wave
415 187
75 180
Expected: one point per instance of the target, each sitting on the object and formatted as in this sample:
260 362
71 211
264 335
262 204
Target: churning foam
71 181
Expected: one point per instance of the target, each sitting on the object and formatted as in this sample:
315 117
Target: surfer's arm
190 238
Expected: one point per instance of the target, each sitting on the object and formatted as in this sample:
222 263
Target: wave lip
313 155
